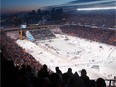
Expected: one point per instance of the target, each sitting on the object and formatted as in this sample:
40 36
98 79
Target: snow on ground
68 51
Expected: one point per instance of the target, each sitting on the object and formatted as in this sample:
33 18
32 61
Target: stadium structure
54 47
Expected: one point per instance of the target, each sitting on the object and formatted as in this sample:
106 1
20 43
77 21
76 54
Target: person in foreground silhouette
42 74
66 76
76 81
100 82
85 78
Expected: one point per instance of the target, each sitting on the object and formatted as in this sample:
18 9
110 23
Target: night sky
10 6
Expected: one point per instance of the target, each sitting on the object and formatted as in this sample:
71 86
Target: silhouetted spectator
100 82
75 81
67 76
46 82
92 83
59 72
55 80
43 73
85 78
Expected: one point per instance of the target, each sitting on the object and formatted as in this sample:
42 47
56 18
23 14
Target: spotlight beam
97 8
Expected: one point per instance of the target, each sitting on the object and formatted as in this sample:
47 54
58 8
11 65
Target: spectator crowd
100 19
93 34
12 51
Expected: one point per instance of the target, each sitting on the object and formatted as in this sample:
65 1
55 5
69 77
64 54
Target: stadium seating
42 34
98 35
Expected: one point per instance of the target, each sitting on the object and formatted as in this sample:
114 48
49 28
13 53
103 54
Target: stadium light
97 8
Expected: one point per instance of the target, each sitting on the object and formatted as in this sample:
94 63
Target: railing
112 82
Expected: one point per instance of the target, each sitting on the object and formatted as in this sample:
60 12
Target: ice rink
67 51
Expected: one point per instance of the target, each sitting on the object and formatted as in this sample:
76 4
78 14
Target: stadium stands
98 35
99 19
42 34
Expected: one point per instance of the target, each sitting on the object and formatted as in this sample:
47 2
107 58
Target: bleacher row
42 34
100 19
99 35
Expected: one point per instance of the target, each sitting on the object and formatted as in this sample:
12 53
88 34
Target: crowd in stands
18 69
98 35
14 52
42 34
97 19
